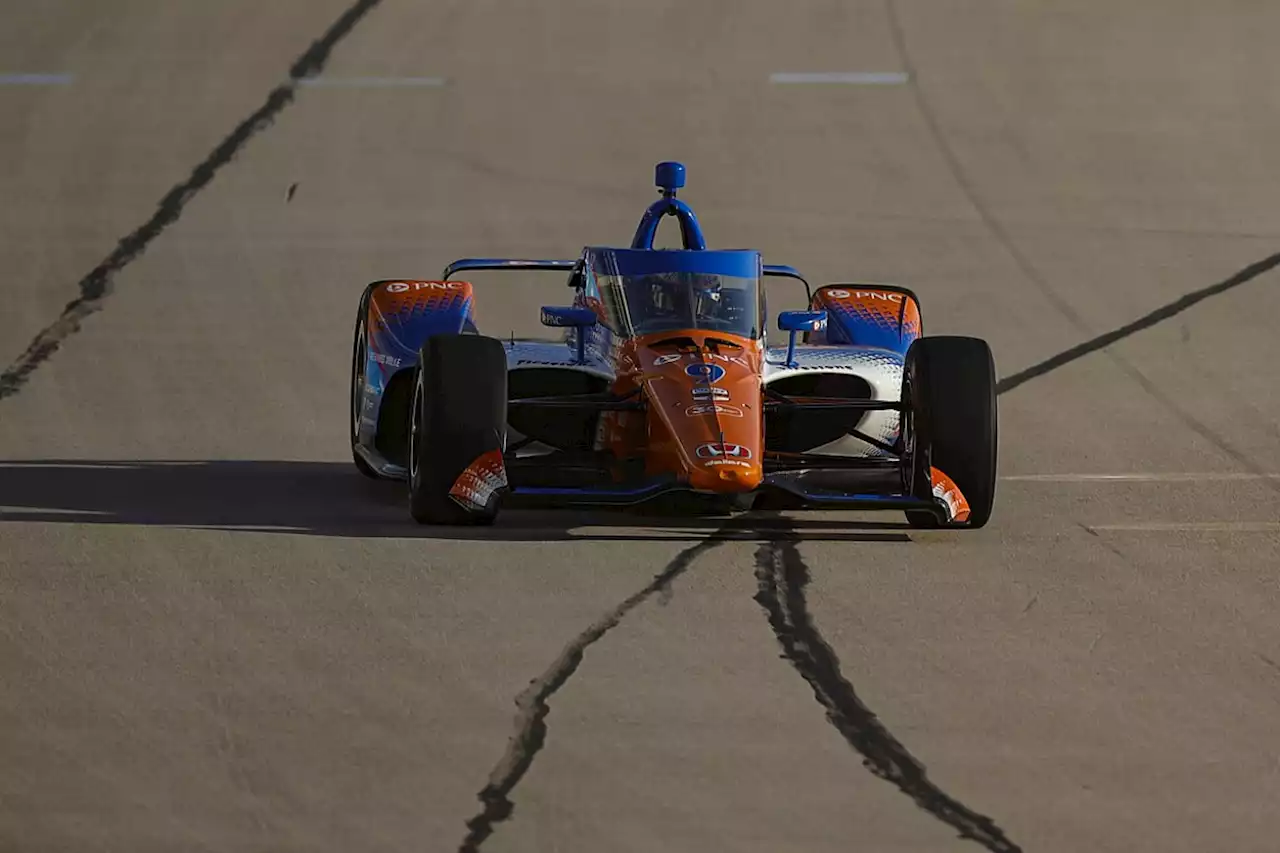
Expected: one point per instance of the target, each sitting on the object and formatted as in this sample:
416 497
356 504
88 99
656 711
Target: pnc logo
404 286
707 374
724 451
676 356
883 296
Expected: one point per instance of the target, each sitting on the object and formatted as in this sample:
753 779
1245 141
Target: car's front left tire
951 383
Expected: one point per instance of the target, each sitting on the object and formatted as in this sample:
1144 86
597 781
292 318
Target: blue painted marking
36 79
706 373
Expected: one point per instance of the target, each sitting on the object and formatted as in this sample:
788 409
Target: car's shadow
332 499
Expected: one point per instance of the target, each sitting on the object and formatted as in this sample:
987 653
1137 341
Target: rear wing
467 264
506 264
783 271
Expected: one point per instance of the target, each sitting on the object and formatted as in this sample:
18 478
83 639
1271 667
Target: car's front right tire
457 430
359 363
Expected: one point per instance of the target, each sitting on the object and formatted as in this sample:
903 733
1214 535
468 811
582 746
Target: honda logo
720 451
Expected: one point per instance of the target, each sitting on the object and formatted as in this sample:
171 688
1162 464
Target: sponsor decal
536 361
713 409
405 286
865 294
705 373
720 463
477 484
720 450
676 356
706 392
388 360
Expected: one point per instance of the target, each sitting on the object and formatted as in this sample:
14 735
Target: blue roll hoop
669 177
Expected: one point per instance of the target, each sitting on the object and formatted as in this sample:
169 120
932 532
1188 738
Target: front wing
793 481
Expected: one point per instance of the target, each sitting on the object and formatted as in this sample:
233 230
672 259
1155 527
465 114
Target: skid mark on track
1032 274
781 577
97 285
1164 312
531 726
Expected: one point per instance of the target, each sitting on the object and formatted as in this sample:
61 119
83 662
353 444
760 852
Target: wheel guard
481 482
946 492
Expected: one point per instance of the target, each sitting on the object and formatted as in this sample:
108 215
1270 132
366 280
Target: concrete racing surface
215 635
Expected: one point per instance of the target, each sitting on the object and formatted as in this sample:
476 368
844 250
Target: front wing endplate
480 481
946 491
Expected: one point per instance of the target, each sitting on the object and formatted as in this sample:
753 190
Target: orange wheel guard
476 487
945 490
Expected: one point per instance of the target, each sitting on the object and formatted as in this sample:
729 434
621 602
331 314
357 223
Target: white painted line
857 78
1191 527
371 82
49 510
36 79
1173 477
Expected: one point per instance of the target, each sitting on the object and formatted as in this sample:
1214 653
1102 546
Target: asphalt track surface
215 635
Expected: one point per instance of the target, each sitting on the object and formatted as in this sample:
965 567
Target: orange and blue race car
667 385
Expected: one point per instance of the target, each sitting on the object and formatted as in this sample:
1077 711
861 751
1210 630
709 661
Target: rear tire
458 414
951 384
359 361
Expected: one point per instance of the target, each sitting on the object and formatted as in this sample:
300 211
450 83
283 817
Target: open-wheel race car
666 384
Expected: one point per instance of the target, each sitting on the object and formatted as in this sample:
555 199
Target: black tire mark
1159 315
531 726
961 177
98 284
1032 274
781 577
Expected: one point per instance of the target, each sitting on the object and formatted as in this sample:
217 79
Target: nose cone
726 475
705 418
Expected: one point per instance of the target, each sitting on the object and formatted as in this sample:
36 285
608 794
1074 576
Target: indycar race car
666 384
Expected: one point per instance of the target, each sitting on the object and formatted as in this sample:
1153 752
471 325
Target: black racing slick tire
359 361
950 383
458 415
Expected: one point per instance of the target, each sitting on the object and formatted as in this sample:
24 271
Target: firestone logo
404 286
721 451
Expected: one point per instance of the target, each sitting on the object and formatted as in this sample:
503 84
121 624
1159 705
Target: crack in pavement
530 725
781 577
1032 274
1146 321
98 284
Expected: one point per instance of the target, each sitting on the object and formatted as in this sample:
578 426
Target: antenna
669 177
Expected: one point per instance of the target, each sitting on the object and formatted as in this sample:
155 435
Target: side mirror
580 319
799 321
563 317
